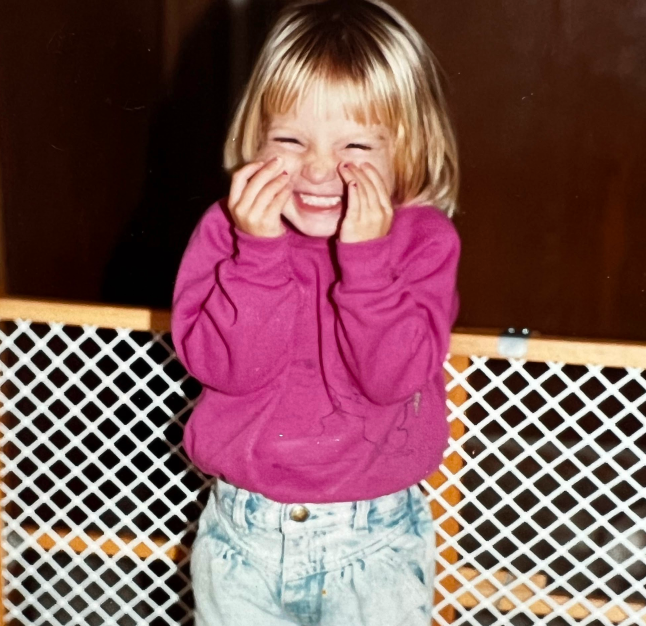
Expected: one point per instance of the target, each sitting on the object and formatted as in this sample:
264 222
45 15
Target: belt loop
239 506
412 505
362 508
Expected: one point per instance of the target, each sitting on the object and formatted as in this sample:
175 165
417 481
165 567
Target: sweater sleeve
394 315
233 311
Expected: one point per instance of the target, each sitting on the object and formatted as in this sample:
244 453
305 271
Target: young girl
315 306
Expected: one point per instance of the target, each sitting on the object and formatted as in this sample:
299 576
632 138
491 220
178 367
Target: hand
259 192
369 213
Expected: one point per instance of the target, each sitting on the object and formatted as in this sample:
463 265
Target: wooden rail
79 314
463 342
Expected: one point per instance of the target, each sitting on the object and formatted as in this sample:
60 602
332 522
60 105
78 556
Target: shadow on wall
184 166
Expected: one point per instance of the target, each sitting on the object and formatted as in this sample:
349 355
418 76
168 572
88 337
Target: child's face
314 141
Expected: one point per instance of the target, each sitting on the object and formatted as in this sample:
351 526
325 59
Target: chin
313 224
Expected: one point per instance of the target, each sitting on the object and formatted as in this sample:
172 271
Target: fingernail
346 166
284 174
276 160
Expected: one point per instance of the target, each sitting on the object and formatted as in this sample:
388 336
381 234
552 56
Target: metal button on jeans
299 513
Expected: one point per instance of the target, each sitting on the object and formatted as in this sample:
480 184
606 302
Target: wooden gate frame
463 344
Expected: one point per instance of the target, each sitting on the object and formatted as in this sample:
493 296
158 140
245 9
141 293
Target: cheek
383 164
267 152
291 161
388 174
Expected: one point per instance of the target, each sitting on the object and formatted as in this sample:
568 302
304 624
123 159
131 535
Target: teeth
322 201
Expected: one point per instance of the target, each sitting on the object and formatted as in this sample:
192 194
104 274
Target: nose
320 168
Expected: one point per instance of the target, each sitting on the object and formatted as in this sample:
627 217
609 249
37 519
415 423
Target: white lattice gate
552 520
540 504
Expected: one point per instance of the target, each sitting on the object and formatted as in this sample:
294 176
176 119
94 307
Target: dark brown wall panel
77 80
112 116
549 98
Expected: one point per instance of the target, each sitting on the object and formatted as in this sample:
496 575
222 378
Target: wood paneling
112 117
77 80
549 99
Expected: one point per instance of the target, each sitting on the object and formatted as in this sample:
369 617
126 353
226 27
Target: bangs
361 86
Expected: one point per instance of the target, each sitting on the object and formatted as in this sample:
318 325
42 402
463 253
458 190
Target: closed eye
358 146
287 140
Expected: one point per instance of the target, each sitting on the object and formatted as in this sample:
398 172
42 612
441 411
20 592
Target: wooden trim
80 313
558 349
463 342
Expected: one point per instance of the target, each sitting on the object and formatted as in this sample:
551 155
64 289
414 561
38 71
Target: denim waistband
248 509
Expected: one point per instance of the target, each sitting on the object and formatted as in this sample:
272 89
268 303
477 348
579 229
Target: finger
350 221
346 174
378 182
266 196
370 197
363 200
272 224
256 183
277 205
239 180
372 209
268 223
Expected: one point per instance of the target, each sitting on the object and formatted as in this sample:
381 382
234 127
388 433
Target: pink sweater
321 362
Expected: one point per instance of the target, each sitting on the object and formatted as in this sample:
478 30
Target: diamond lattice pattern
551 522
100 503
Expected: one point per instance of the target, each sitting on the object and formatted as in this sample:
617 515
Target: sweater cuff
262 256
365 264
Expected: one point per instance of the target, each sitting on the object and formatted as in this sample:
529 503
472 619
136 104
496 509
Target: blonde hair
385 74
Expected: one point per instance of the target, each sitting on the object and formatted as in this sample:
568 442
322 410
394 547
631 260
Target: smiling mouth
318 203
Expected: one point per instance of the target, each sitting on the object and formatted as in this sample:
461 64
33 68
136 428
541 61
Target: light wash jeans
259 563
